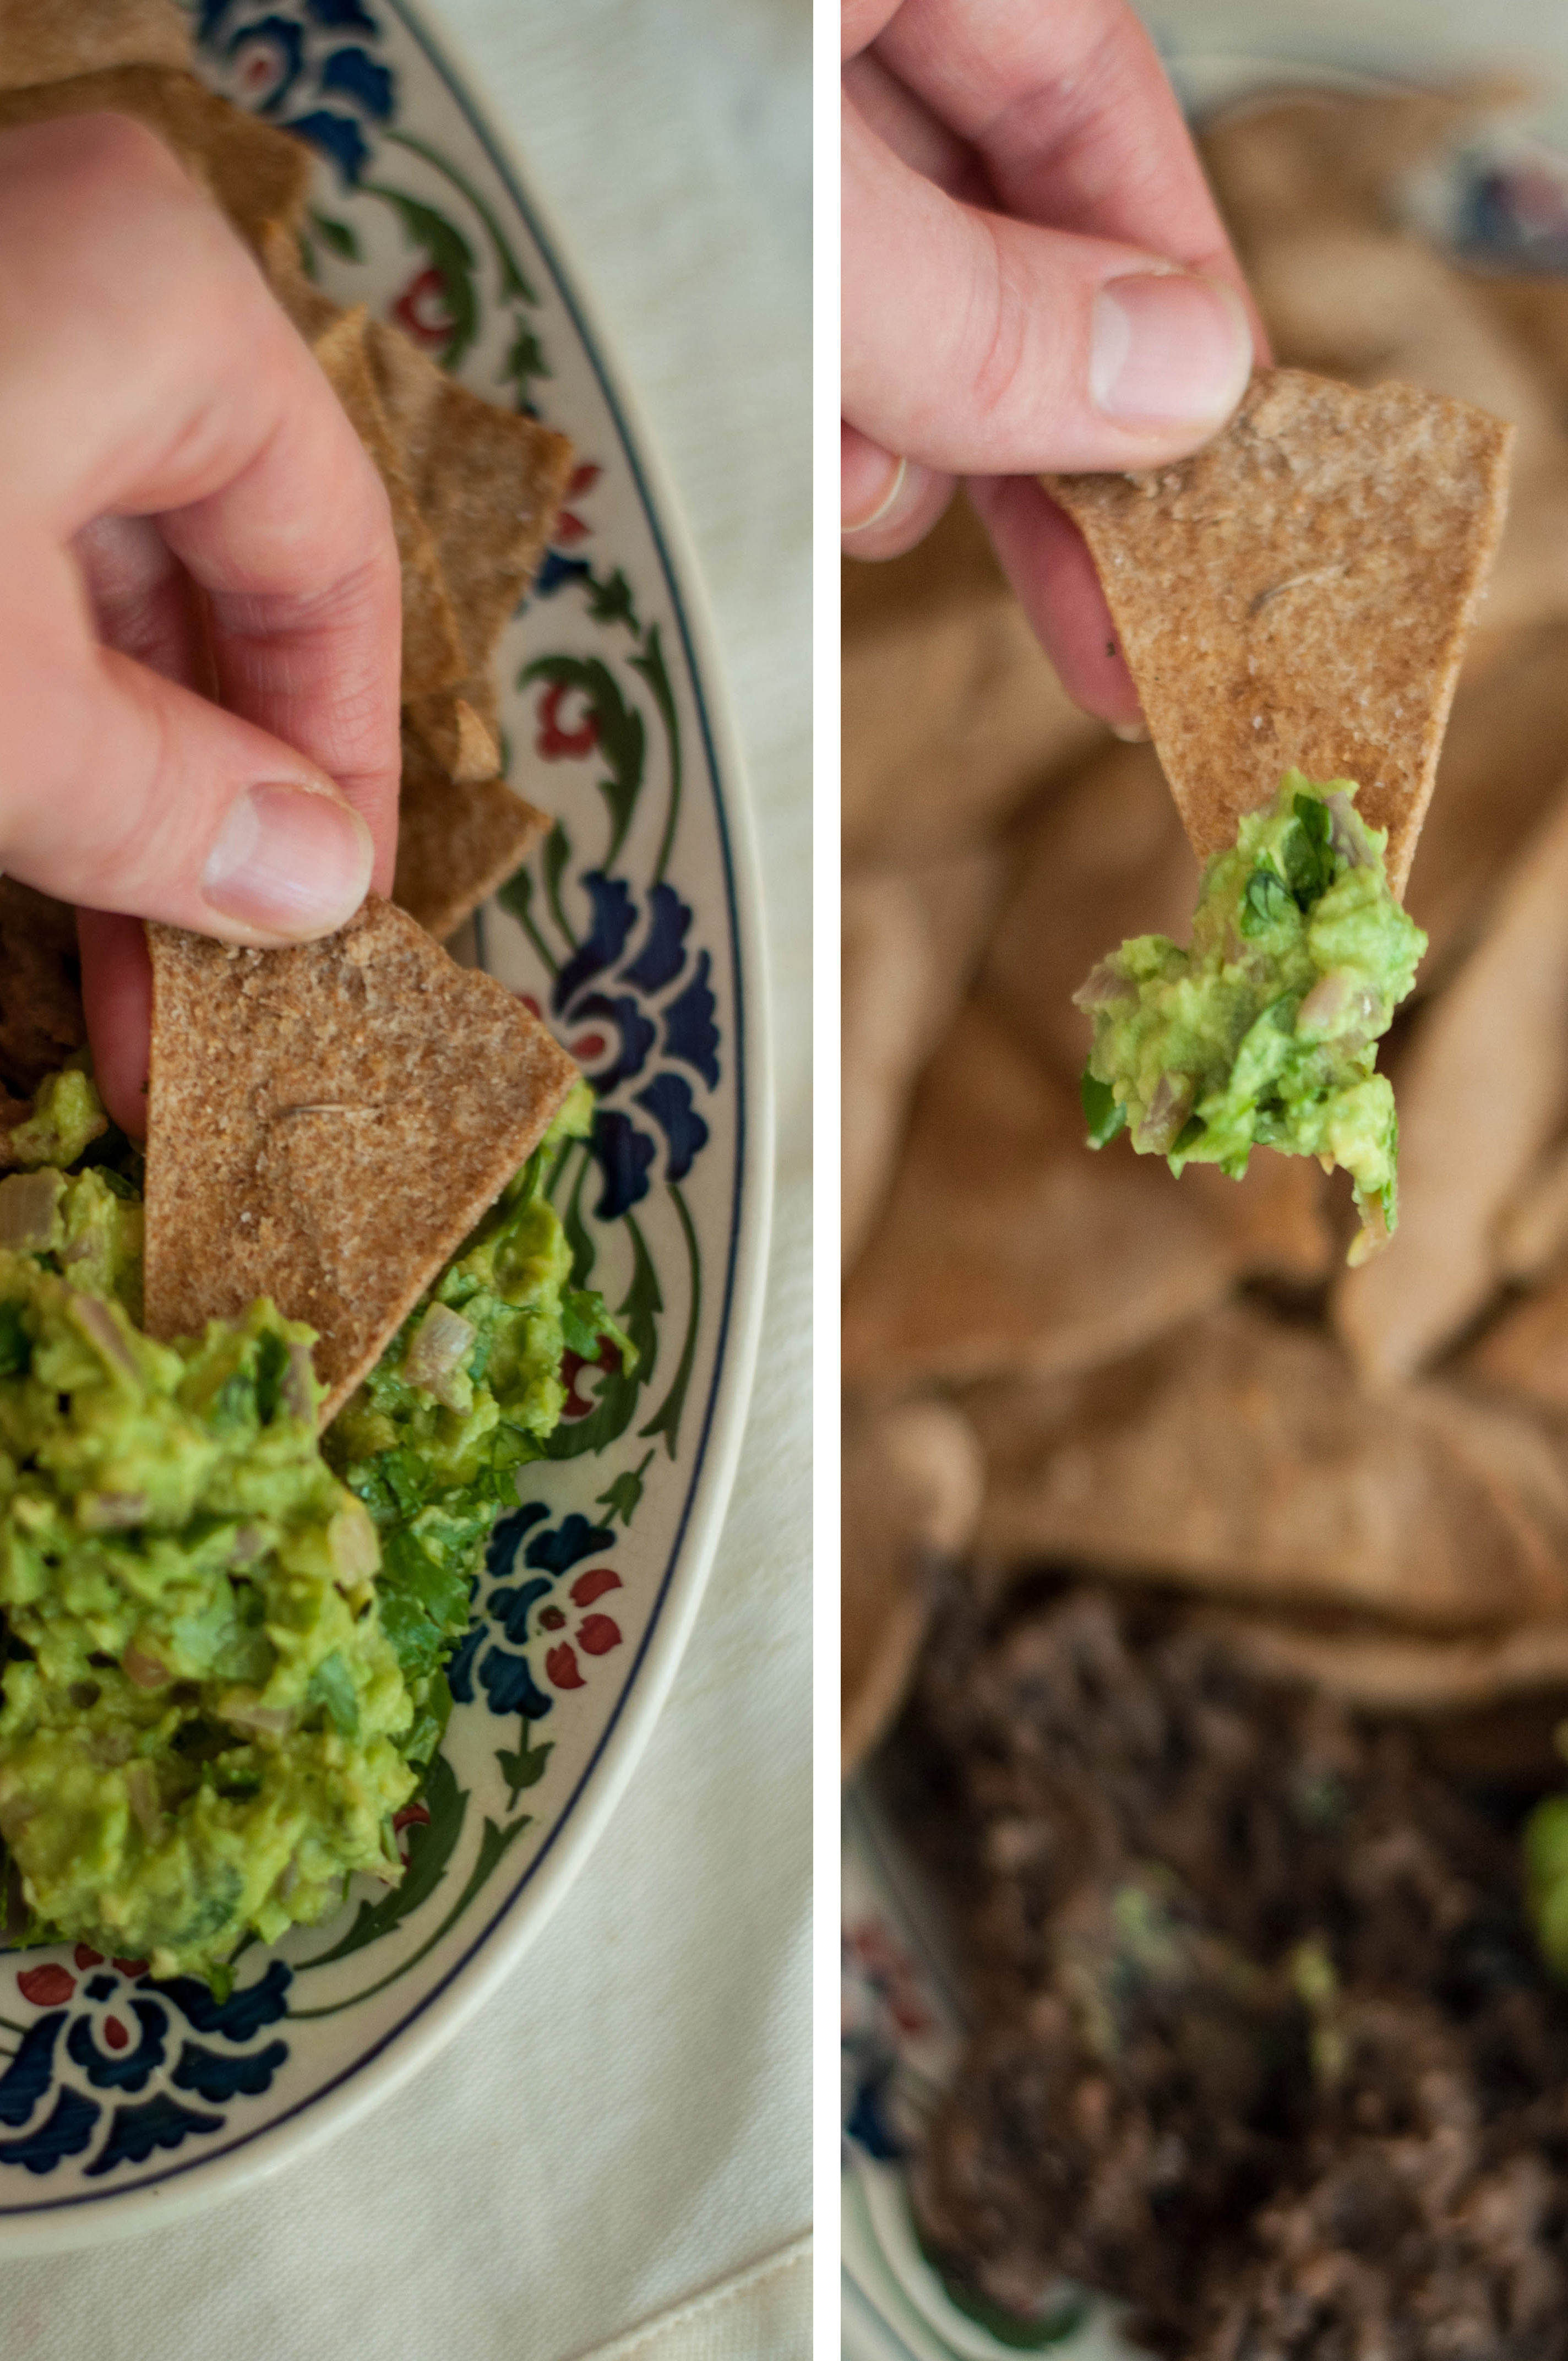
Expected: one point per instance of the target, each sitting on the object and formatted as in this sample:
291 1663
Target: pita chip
1525 1352
910 940
489 482
952 716
1299 593
258 175
1335 155
51 40
1237 1458
1008 1246
1532 1235
1368 1666
457 840
460 728
1503 760
310 307
433 656
1376 307
326 1125
1482 1091
912 1479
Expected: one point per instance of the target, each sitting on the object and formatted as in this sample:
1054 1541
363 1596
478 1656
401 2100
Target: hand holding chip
1034 278
199 585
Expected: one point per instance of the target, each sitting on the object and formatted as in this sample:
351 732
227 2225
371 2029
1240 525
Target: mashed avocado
223 1636
1264 1033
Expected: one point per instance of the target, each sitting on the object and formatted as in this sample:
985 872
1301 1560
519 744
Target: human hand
1034 278
199 587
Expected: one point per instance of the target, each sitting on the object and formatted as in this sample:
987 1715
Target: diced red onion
244 1713
1104 987
28 1204
351 1539
436 1352
144 1670
1168 1110
112 1512
299 1385
141 1794
1344 831
1332 997
98 1324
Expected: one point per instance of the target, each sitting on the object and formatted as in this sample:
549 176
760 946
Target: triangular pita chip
326 1125
1482 1091
257 174
488 480
50 40
1237 1457
1006 1245
1300 592
1369 1665
432 657
912 1480
457 840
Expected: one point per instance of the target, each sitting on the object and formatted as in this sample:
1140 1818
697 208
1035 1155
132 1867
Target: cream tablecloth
613 2158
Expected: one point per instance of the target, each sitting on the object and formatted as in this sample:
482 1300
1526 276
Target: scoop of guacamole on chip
224 1637
1264 1032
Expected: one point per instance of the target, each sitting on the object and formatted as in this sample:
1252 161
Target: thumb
976 344
124 790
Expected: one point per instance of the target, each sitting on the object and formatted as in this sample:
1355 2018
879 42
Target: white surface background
627 2123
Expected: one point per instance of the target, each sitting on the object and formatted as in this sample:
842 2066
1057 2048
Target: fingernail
289 862
871 488
1132 733
1168 348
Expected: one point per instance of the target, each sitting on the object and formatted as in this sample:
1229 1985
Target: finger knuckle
1000 335
103 154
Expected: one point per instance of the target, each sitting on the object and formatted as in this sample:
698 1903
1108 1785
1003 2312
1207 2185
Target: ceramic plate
1503 201
124 2103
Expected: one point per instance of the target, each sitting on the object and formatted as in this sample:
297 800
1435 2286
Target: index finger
223 429
1069 108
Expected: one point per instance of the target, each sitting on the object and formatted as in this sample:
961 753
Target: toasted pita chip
326 1125
432 657
1338 156
41 1019
912 1480
1535 311
258 175
52 40
1106 857
1376 307
1380 1671
910 940
1503 760
458 841
1533 1234
310 307
952 716
460 728
1006 1244
1525 1353
488 483
1237 1457
1300 594
1482 1090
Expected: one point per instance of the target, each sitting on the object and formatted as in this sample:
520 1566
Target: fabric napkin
615 2152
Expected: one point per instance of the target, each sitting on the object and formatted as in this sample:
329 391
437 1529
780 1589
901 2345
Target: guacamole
1263 1033
224 1637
